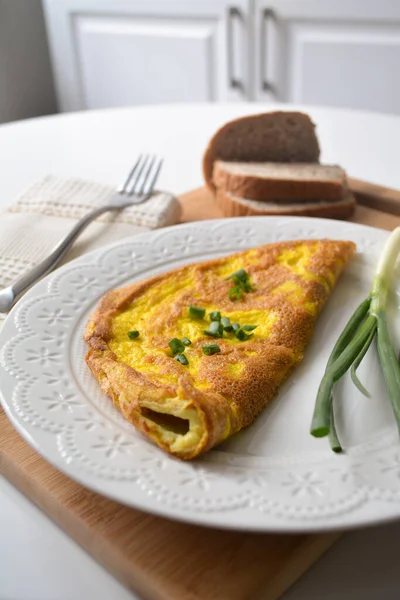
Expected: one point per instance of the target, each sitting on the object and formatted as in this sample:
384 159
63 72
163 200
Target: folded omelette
192 356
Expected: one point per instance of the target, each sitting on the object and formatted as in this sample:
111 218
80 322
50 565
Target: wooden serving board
377 206
158 558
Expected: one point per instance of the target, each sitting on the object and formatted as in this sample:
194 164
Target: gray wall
26 83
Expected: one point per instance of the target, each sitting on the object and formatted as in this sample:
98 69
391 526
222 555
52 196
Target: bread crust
238 207
277 189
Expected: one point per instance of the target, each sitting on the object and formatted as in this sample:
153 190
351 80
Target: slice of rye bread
270 137
281 181
232 206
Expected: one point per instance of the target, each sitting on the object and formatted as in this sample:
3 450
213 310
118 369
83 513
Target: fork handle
9 295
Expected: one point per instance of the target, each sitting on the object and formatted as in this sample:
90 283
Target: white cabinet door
129 52
344 53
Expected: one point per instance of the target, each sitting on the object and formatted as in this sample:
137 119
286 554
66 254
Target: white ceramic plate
273 476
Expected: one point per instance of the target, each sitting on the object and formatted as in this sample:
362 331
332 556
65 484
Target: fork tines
142 176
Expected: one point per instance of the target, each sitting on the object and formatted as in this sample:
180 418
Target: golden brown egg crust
225 402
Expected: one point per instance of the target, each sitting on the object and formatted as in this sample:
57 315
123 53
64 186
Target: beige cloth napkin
48 210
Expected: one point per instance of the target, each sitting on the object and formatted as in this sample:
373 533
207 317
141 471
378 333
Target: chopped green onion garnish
196 312
226 324
182 359
235 293
215 315
249 327
242 335
186 341
240 275
216 327
211 349
247 287
215 330
133 334
235 326
176 346
242 283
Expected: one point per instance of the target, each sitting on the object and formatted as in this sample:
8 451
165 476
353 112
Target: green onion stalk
367 322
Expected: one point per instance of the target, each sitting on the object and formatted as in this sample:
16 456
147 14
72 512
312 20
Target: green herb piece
196 312
182 359
235 293
389 364
133 334
215 330
242 335
215 315
211 349
333 436
322 422
242 283
186 341
249 327
226 324
241 280
235 326
176 346
356 363
240 275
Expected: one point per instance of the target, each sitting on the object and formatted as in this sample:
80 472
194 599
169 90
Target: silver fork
136 188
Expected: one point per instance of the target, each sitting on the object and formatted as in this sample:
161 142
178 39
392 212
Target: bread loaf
269 137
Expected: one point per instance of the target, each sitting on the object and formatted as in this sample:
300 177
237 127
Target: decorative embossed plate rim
273 476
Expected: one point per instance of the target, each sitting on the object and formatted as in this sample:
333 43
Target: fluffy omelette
188 407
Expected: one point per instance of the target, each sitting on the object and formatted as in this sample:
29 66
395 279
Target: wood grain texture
159 558
376 196
199 204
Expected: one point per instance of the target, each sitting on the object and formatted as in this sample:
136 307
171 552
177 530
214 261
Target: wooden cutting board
162 559
377 206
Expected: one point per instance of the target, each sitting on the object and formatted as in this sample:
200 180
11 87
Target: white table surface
37 560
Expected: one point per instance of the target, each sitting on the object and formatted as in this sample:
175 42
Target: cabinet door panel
344 53
143 61
344 65
128 52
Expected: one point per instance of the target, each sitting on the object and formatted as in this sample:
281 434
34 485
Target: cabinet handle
267 15
234 82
